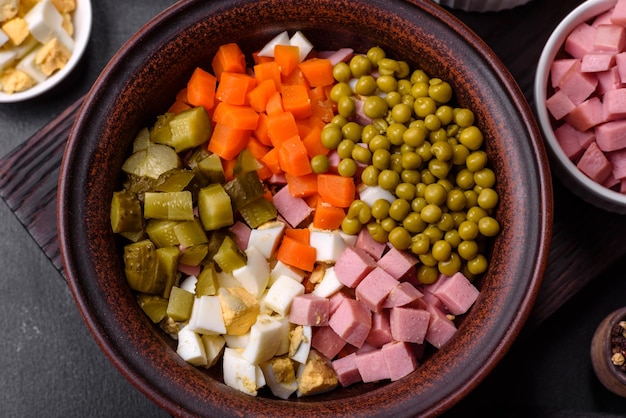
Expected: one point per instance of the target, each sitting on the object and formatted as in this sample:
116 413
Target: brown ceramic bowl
140 83
601 354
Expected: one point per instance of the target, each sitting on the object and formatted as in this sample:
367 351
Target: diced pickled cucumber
160 132
152 161
190 233
258 212
244 189
190 128
229 257
193 256
168 267
207 281
174 206
211 167
180 304
141 267
134 236
142 140
154 306
161 232
173 181
126 213
246 163
215 242
214 207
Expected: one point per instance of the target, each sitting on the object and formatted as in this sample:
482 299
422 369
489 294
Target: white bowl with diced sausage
580 99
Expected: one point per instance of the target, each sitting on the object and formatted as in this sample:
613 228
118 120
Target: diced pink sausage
603 19
309 309
576 85
594 164
608 80
346 370
397 263
580 41
611 181
409 324
614 104
352 321
340 55
327 342
572 141
372 366
380 334
618 163
293 209
440 329
594 62
353 265
611 136
559 68
374 288
403 294
370 245
241 233
559 105
335 300
609 38
399 358
457 293
587 114
618 15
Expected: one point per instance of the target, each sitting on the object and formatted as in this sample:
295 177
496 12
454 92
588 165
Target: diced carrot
317 93
303 127
182 95
239 117
336 190
227 142
293 158
229 168
269 70
323 109
312 200
296 254
295 78
302 186
259 59
274 104
281 126
260 95
233 88
260 132
201 89
228 57
317 71
271 161
313 143
296 100
178 106
287 57
299 234
327 216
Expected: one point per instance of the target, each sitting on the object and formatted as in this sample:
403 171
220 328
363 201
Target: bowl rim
524 293
83 22
569 173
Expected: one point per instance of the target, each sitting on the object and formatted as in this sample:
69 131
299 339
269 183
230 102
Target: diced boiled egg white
206 316
226 280
285 328
349 239
3 38
239 373
45 22
268 49
371 194
27 65
304 45
267 237
328 245
255 275
280 377
282 269
6 58
301 338
191 348
189 284
237 341
281 294
329 285
213 348
264 340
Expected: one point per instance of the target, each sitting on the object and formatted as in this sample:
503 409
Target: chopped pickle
244 189
142 140
207 281
214 207
215 241
154 306
239 309
193 256
174 206
160 132
190 233
258 212
139 185
152 161
190 128
246 163
134 236
180 304
162 233
141 267
229 257
174 180
168 267
126 212
211 167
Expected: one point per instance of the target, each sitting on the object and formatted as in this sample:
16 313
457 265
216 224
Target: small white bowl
566 170
481 5
82 29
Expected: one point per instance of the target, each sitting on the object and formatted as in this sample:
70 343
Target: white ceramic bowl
481 5
82 29
565 169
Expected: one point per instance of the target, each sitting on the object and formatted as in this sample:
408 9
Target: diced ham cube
611 181
397 263
587 114
614 104
440 329
608 80
594 164
346 370
572 141
380 334
335 300
580 41
611 136
603 19
559 68
618 14
576 85
352 321
403 294
618 163
409 324
241 234
370 245
594 62
399 358
620 63
457 293
327 342
293 209
559 105
374 288
372 366
353 265
610 38
309 309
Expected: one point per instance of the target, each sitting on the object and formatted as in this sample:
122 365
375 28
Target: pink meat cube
580 41
611 136
618 15
595 62
372 366
594 164
353 265
409 324
440 329
620 63
609 38
293 209
309 309
614 104
374 288
587 114
335 300
397 263
372 247
559 68
572 141
611 182
559 105
576 85
352 321
241 233
346 370
457 293
327 342
602 19
399 358
618 162
380 334
403 294
608 80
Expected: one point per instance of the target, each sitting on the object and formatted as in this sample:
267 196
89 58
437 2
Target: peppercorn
618 346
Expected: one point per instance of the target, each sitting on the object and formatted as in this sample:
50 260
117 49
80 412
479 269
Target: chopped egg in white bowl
40 44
